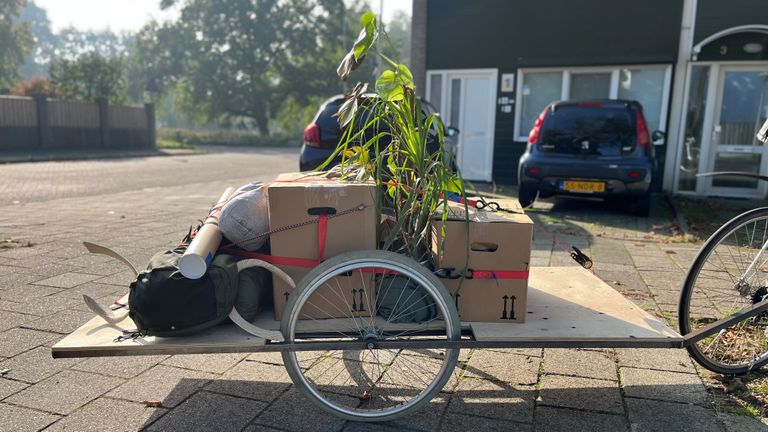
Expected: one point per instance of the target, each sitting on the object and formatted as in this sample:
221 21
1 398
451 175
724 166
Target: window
539 90
648 85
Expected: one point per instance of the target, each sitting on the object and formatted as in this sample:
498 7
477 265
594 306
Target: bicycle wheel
370 298
729 273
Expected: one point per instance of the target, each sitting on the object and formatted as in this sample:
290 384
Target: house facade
698 67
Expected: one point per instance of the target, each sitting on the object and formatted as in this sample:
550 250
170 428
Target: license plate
582 186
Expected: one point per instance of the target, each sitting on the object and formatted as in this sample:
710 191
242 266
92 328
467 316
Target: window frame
565 88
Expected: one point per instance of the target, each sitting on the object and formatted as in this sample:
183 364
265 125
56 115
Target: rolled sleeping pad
194 263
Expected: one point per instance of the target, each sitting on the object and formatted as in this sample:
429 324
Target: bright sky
119 15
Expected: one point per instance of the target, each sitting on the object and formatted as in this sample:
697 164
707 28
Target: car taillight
312 135
643 140
533 137
636 174
533 171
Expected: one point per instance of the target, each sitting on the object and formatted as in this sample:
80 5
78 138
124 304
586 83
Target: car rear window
589 130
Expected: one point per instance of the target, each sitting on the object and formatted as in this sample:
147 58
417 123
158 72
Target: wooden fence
38 123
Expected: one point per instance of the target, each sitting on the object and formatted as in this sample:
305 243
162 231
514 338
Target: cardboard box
295 198
498 242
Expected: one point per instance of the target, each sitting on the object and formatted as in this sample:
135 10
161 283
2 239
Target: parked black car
323 134
597 148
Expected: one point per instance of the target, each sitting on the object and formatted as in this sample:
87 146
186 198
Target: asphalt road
42 181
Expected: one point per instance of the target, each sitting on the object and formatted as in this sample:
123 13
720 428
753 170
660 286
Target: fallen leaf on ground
671 252
152 404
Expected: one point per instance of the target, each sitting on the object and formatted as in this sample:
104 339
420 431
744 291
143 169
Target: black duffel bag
163 302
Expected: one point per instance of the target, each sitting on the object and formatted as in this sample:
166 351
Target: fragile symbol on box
511 315
354 300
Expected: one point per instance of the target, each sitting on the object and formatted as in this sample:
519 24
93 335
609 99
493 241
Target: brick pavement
524 389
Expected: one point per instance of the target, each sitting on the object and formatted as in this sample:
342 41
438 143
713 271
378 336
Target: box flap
456 212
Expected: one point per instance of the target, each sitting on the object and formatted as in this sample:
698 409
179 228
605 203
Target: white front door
740 109
466 101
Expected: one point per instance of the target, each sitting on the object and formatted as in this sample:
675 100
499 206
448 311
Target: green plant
390 139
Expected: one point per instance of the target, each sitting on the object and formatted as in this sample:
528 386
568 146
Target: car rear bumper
620 178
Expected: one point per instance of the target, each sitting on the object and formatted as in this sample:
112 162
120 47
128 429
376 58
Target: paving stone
457 422
739 423
64 392
564 419
260 428
17 279
18 419
652 416
354 427
253 380
123 279
67 280
28 292
662 385
35 365
580 393
214 363
123 367
64 322
18 340
210 411
9 320
588 364
8 387
505 367
42 306
674 360
493 400
94 290
283 414
167 384
426 418
108 415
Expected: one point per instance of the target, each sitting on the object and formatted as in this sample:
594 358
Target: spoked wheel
364 307
729 273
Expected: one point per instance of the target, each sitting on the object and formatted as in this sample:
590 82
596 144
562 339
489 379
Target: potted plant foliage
391 138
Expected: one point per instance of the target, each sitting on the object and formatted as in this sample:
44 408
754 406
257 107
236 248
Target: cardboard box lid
456 212
294 198
304 180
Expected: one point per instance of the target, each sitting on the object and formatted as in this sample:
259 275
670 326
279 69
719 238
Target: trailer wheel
349 322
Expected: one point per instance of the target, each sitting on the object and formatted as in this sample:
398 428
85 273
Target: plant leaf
364 42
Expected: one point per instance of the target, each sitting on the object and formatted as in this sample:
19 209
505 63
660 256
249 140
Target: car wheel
527 194
642 206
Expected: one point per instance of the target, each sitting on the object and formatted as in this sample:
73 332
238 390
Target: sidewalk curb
77 156
679 218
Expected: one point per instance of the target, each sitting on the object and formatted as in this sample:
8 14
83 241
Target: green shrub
187 137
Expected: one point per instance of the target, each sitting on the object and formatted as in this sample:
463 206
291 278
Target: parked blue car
595 148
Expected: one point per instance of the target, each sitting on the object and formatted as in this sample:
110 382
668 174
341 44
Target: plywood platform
567 307
570 306
97 338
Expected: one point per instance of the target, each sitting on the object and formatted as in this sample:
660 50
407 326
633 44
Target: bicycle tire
714 289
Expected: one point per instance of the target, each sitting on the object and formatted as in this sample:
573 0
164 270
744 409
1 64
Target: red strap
322 230
500 274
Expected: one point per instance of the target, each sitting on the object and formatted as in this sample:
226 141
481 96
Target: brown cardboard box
295 198
499 241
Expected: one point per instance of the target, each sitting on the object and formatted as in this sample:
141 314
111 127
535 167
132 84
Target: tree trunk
262 121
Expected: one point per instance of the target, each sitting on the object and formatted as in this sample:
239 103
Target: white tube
194 263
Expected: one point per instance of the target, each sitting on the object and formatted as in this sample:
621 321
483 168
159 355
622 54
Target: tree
68 43
89 77
15 41
245 59
36 85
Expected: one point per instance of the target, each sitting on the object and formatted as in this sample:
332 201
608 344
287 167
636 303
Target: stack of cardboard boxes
499 249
